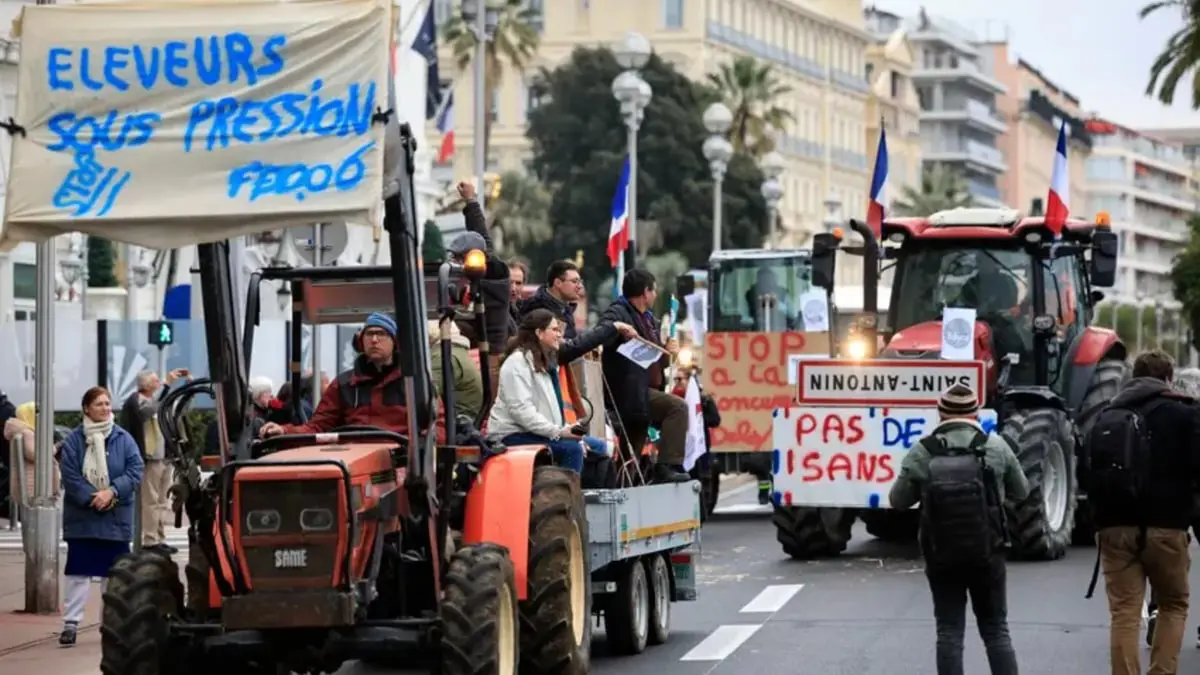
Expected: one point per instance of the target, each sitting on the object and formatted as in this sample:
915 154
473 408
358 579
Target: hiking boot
67 637
663 473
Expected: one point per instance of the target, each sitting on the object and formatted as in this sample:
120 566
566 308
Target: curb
53 637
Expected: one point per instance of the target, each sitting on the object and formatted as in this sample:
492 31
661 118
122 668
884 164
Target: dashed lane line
721 642
772 598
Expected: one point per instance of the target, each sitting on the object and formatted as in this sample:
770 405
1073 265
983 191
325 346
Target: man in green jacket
468 382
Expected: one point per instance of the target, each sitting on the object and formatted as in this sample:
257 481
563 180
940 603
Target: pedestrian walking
1141 469
101 473
23 425
139 417
962 476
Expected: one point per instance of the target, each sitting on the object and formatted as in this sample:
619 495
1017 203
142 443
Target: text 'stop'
165 124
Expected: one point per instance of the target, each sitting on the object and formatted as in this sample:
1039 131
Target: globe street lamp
634 94
139 276
772 165
483 26
718 151
832 206
74 269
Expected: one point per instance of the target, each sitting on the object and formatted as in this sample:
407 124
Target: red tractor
1048 369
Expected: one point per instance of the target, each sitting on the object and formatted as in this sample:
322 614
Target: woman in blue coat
101 472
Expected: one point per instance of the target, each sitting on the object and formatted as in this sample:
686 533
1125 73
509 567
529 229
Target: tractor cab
757 290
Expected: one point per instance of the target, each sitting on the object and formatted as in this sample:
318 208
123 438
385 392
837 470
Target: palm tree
515 43
521 214
1180 58
751 89
941 189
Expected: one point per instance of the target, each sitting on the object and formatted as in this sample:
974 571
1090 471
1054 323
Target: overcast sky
1096 49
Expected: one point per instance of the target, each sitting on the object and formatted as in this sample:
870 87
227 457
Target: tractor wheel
806 533
143 596
556 626
479 613
892 526
1106 380
1040 525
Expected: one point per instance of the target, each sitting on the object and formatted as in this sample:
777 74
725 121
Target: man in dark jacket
1146 539
559 294
495 283
369 394
518 272
636 393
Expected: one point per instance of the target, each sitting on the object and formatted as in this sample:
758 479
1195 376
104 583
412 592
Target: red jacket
364 396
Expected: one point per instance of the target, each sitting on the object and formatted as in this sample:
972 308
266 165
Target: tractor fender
1091 347
497 506
1030 397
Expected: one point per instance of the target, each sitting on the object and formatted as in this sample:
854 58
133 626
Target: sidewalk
29 642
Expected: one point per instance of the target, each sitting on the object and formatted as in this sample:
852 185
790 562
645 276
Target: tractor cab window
759 293
992 281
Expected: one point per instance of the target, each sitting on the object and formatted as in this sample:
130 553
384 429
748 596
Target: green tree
514 45
1180 57
752 89
1185 278
940 189
1124 318
433 247
101 263
578 139
520 214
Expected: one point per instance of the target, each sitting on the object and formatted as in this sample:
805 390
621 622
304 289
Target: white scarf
95 463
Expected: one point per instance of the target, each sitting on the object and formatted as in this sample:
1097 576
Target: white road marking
742 508
772 598
721 642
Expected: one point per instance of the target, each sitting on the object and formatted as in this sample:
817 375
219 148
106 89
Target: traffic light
162 333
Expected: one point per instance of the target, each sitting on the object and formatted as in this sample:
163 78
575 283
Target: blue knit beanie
381 320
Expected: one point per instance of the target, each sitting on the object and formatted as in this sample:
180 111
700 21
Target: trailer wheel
479 613
659 574
1040 525
556 627
892 526
142 598
1106 380
627 613
806 533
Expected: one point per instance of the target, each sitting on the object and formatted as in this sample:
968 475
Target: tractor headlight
263 521
856 349
316 520
686 357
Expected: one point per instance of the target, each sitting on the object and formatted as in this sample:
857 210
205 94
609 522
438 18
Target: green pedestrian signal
162 333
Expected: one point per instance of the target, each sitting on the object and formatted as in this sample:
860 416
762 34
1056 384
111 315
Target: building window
672 13
24 315
870 69
495 112
537 18
895 85
24 281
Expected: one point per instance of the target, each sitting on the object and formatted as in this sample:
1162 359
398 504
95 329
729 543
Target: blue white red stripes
618 232
878 203
445 126
1058 202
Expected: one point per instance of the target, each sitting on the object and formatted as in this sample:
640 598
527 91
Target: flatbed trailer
643 543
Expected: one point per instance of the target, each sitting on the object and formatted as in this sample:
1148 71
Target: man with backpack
1141 467
962 477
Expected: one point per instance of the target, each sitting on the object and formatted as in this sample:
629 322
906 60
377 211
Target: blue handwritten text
90 188
299 180
902 432
232 58
112 132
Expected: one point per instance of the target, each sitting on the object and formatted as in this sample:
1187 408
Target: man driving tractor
369 394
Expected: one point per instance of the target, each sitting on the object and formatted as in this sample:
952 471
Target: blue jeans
567 452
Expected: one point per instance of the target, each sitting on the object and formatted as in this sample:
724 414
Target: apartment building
1188 139
1146 184
1034 108
892 102
818 52
956 91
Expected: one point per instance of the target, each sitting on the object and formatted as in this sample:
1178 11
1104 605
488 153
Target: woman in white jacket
529 402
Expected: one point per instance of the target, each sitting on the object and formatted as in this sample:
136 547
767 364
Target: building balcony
972 152
984 194
1166 158
1155 192
962 71
977 115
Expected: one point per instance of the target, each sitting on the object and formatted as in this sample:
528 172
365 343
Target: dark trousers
988 589
670 414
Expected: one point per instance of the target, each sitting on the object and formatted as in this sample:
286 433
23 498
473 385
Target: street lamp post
1141 315
138 275
772 189
74 268
1158 322
832 206
41 519
483 26
634 94
718 151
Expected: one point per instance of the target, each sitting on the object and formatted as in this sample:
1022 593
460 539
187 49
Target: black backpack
962 522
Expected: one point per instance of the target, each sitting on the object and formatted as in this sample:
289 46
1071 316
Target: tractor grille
289 532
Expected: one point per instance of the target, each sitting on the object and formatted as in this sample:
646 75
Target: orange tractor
1047 368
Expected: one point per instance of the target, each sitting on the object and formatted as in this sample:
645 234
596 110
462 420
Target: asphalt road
865 613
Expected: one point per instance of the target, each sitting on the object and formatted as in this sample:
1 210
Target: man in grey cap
962 476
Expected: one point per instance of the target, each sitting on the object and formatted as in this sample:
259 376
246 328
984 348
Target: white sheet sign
641 352
958 333
814 309
167 123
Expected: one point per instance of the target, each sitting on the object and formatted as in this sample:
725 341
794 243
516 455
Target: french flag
618 232
1058 202
445 126
875 207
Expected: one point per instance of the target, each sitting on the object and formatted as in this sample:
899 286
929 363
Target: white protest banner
915 383
641 352
164 123
958 331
